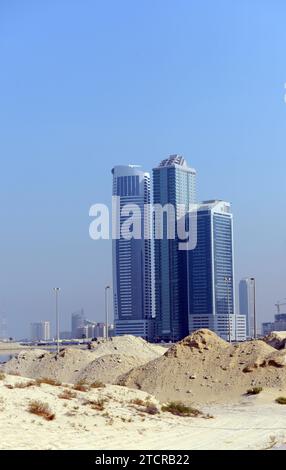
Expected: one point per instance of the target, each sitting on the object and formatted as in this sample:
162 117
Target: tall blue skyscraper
132 257
174 182
211 273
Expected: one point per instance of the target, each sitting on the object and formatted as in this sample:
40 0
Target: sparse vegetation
81 386
254 391
137 401
67 395
41 409
281 400
151 409
97 405
48 381
97 384
145 406
2 376
180 409
31 383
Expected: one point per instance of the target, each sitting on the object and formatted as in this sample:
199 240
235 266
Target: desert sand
202 371
254 423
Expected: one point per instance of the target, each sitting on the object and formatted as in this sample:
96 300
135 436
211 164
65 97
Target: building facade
77 322
174 183
40 331
132 276
246 303
279 324
211 274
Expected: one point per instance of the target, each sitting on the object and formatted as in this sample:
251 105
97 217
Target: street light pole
107 288
254 307
228 280
57 290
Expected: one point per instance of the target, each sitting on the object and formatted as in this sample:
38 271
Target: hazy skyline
89 85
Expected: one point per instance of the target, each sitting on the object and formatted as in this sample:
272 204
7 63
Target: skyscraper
77 322
132 257
211 273
40 331
174 182
246 303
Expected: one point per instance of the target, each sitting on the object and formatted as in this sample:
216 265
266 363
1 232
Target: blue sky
89 84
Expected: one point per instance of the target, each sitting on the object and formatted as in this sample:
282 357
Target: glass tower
132 258
174 182
211 273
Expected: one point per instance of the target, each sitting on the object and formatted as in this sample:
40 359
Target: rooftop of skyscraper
175 160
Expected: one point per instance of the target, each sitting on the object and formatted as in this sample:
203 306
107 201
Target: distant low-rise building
94 330
40 331
279 324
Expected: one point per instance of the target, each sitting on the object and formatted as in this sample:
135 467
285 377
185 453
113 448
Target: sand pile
128 344
106 361
276 339
203 368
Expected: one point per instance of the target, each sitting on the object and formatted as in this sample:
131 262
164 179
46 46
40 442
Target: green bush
179 409
281 400
254 391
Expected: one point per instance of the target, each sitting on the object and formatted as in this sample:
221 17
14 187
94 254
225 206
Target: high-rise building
132 257
40 331
246 303
174 183
211 274
77 322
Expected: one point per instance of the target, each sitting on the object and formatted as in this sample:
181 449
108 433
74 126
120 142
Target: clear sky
87 84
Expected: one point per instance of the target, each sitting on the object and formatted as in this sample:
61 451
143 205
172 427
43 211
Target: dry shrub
151 409
31 383
41 409
97 384
180 409
254 391
281 400
67 395
137 401
48 381
81 386
2 376
95 404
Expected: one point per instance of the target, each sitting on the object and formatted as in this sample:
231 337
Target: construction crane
279 304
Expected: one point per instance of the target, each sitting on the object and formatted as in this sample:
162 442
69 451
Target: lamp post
254 307
57 291
107 288
228 280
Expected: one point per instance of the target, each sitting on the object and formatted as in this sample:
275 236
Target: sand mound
108 368
128 344
204 368
200 340
276 339
35 363
106 360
